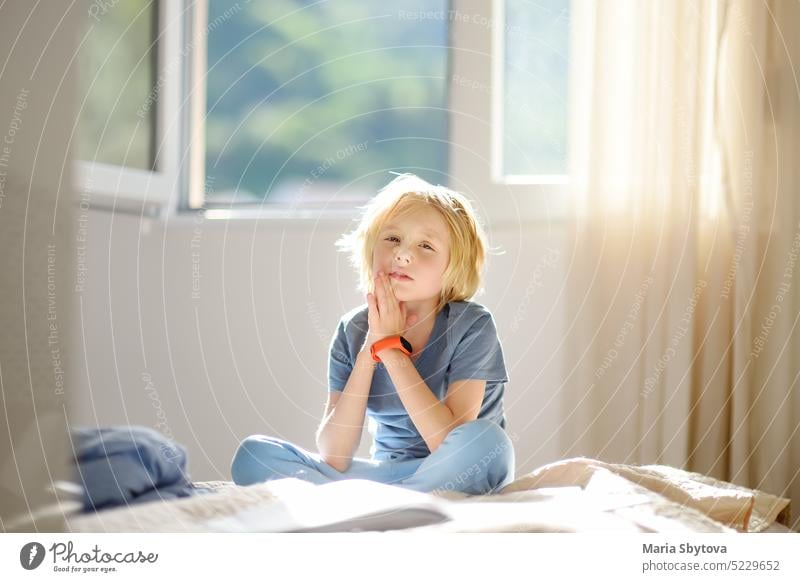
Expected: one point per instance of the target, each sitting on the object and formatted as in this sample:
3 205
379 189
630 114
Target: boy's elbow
341 464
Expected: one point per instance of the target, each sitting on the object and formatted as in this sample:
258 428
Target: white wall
36 242
248 353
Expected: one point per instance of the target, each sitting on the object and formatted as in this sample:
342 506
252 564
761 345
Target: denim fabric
476 458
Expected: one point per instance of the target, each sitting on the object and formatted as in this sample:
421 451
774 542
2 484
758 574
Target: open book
349 505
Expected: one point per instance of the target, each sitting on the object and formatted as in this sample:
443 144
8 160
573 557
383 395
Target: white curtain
683 345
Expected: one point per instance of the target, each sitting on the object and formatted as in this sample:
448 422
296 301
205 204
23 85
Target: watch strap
393 341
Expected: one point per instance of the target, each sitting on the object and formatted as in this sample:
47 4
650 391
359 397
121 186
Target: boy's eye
426 245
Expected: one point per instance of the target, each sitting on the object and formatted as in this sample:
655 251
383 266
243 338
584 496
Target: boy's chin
404 296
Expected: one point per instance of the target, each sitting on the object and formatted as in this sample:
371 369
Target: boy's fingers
383 293
389 292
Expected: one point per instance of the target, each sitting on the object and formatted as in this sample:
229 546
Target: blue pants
476 457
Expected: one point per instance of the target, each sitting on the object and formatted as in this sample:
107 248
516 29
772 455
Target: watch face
406 344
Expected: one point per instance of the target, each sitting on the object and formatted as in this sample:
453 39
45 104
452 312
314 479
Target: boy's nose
401 256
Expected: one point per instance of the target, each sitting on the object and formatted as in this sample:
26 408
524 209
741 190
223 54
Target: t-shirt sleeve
339 363
479 354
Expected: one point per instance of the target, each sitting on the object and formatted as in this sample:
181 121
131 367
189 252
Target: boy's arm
433 418
339 433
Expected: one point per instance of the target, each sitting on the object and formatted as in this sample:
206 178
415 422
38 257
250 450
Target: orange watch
394 341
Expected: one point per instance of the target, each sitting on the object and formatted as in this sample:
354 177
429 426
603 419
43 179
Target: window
126 142
301 105
117 73
313 104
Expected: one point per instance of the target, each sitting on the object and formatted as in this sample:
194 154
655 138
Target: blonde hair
405 193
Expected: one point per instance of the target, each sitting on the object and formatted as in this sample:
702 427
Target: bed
573 495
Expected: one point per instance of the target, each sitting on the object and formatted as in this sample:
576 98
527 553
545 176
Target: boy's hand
387 316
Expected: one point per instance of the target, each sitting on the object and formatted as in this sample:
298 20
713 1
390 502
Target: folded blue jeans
476 458
121 465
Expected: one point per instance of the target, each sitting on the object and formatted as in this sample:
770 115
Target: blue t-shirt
462 345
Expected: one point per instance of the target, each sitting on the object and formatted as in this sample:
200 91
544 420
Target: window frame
477 120
126 189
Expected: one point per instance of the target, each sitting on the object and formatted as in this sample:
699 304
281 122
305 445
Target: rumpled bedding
574 495
125 465
590 495
739 507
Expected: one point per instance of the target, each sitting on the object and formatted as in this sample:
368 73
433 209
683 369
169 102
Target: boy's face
417 244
